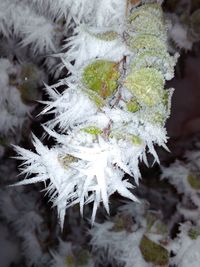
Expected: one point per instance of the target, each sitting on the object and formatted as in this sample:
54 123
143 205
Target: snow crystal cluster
113 109
136 236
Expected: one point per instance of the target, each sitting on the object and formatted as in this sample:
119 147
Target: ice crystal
112 111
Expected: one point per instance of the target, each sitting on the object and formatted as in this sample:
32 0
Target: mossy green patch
146 23
136 140
122 223
70 261
28 85
92 130
153 252
132 105
101 76
161 61
194 232
141 42
161 228
151 219
82 257
194 181
29 91
158 118
166 96
95 98
147 85
156 224
3 141
29 72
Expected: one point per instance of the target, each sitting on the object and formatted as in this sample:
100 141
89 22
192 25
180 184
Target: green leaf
147 85
101 77
153 252
194 181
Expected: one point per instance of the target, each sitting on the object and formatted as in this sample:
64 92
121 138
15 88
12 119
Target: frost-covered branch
113 109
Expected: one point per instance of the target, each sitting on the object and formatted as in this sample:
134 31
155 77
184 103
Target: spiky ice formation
112 112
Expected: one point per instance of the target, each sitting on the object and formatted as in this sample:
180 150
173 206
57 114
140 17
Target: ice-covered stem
113 110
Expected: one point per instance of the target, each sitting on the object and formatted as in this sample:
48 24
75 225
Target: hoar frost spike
112 111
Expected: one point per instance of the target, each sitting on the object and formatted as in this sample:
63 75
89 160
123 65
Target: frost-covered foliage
136 237
140 237
113 109
184 176
186 246
107 115
66 257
